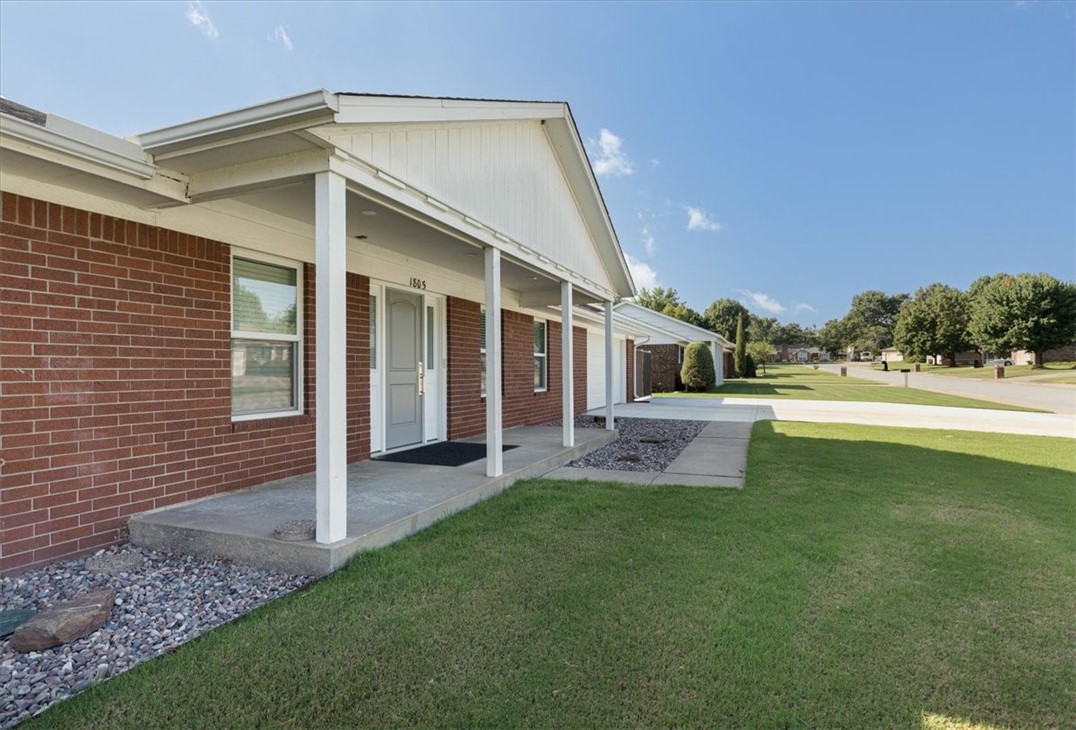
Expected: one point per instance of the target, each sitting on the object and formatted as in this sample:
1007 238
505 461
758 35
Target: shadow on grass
862 577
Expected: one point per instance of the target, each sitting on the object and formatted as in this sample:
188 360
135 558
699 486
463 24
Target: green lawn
864 577
802 382
987 373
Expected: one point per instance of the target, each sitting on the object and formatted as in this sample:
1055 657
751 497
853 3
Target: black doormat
442 453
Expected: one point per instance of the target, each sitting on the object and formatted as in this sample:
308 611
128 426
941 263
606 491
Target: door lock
421 378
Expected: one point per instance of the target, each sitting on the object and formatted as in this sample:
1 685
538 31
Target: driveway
869 414
1053 397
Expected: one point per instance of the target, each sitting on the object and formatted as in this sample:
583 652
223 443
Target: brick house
664 339
286 289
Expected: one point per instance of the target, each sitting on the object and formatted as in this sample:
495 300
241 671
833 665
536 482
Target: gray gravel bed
170 600
634 449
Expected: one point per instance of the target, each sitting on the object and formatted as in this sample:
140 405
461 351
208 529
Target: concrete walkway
749 410
1053 397
386 502
716 458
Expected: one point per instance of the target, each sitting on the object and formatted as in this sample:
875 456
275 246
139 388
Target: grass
802 382
1064 371
864 577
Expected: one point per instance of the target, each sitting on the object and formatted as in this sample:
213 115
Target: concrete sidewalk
716 458
1053 397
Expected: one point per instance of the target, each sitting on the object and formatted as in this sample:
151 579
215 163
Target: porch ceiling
426 244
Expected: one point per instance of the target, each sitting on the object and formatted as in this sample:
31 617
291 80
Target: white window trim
544 355
297 338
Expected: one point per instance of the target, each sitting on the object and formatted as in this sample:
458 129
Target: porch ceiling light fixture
361 237
367 212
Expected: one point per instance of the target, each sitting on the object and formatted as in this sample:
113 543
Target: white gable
503 174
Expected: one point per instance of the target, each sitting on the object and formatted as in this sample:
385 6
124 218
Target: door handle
421 379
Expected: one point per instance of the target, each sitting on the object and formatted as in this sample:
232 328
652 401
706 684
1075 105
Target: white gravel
634 449
169 601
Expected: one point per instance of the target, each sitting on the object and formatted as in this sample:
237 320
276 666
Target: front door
403 392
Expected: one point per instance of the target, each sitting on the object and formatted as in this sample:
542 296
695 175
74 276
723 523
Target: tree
760 352
658 298
762 329
668 302
870 321
722 316
934 321
1033 312
794 334
739 355
697 372
832 337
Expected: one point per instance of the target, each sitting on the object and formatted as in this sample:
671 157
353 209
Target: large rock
65 622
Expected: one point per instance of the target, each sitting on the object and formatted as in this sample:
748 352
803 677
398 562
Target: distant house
1061 354
892 354
801 353
664 338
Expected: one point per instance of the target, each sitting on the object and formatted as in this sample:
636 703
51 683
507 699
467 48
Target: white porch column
609 425
567 365
494 437
330 194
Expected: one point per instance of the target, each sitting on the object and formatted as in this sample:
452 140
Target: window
266 338
540 355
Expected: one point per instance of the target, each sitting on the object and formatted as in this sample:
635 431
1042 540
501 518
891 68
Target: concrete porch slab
386 502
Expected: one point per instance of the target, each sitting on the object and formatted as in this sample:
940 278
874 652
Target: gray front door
403 343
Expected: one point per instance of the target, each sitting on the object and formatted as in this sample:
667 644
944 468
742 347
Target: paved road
871 414
1053 397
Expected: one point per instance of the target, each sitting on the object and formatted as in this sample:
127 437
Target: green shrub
698 368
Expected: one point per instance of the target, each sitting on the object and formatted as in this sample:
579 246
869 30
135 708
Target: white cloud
641 272
198 17
798 307
763 301
280 35
655 163
611 159
699 220
648 242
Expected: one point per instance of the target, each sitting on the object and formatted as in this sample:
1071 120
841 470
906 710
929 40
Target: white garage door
596 370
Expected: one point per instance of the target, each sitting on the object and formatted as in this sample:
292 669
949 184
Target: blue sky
789 155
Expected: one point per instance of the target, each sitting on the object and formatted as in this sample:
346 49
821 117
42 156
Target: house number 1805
418 283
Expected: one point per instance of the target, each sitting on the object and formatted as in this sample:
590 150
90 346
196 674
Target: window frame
544 355
297 338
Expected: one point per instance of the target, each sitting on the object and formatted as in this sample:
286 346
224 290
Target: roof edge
240 121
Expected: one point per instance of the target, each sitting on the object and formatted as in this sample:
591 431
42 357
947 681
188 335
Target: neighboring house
1061 354
665 339
967 357
286 289
801 353
891 354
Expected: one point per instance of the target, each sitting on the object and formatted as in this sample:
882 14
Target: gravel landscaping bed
167 601
644 444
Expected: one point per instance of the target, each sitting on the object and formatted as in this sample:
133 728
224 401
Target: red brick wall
629 376
522 405
115 380
664 368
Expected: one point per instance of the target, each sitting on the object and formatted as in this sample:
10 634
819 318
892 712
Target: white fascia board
361 109
566 142
313 107
667 323
81 142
